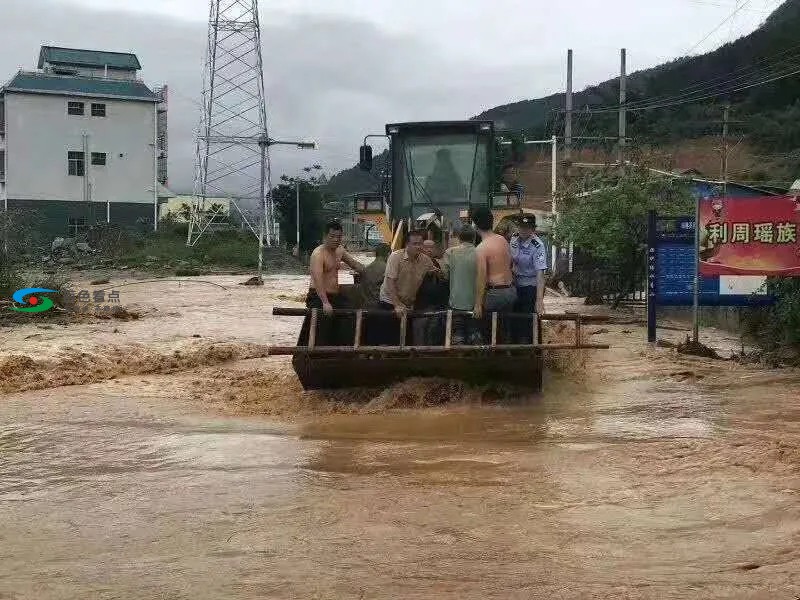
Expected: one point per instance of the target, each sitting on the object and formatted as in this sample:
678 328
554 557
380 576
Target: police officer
529 259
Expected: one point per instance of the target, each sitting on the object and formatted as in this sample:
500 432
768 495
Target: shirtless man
494 281
325 262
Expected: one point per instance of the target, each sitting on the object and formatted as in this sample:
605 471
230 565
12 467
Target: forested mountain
758 74
680 99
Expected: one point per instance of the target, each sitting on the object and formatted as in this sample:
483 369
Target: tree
185 211
609 222
311 215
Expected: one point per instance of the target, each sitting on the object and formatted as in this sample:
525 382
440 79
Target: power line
725 20
729 6
759 67
705 93
744 71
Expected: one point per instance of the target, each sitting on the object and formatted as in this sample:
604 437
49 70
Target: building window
98 110
2 166
75 225
74 108
99 159
76 164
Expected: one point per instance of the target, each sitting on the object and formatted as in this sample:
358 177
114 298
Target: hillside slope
680 100
677 100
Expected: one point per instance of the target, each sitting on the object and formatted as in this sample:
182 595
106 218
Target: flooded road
647 476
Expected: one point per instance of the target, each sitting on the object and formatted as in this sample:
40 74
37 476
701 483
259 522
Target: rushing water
648 477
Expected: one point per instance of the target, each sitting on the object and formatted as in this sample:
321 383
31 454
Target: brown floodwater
644 475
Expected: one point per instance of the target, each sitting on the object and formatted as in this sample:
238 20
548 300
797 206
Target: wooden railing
447 346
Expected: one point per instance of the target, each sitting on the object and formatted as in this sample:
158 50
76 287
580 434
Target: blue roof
88 58
40 83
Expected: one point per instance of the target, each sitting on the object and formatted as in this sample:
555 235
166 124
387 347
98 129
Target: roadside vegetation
606 219
777 329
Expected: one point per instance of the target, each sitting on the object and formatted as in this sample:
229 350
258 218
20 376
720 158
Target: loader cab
436 170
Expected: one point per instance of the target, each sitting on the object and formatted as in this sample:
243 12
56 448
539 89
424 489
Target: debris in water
666 344
99 282
253 281
123 314
294 298
599 331
693 348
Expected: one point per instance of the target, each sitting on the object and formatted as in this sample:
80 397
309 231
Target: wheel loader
434 174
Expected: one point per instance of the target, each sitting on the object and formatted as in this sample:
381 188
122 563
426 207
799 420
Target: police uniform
528 258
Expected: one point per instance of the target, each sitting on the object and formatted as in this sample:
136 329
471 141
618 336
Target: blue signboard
671 257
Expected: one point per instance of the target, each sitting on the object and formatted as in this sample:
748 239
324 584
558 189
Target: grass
167 249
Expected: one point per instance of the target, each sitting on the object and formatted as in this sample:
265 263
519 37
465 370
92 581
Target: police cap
527 221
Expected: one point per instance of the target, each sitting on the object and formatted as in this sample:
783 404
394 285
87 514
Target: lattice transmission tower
233 140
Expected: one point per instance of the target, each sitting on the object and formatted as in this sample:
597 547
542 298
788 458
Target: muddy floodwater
169 457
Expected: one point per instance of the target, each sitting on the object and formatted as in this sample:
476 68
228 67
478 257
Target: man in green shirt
460 268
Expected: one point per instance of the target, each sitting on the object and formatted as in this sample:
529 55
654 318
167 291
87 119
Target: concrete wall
39 133
51 218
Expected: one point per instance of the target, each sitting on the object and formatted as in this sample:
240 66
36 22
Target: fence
608 285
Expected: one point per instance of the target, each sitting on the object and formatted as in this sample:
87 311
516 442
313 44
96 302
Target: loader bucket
354 365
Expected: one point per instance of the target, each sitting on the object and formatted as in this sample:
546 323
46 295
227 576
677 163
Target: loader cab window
445 172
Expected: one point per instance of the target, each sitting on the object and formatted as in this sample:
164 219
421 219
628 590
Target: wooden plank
280 311
359 321
535 328
494 329
578 331
312 330
448 329
412 350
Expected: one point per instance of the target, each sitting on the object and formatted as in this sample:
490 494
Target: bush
778 326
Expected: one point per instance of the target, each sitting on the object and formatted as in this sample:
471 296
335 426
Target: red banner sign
750 236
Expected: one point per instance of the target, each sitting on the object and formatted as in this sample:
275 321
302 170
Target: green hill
682 98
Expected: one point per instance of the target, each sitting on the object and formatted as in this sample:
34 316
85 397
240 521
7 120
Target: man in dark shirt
371 278
432 295
369 287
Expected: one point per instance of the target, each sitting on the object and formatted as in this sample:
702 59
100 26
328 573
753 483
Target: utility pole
263 144
568 110
724 165
622 115
233 142
297 215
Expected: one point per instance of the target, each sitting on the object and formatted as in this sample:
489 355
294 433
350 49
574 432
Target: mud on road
169 457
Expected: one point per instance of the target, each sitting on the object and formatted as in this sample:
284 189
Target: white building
79 141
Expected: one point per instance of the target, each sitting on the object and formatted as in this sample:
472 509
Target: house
705 188
82 141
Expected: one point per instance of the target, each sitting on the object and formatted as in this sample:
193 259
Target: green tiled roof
88 58
40 83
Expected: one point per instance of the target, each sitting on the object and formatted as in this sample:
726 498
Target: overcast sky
338 69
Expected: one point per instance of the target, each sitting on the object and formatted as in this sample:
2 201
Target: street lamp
265 142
